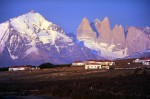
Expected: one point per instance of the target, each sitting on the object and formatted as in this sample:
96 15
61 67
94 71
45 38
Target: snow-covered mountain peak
36 27
31 39
29 30
30 20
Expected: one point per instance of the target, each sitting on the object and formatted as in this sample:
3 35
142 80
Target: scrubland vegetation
77 83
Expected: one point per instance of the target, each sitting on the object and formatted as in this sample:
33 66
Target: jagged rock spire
104 30
118 36
85 31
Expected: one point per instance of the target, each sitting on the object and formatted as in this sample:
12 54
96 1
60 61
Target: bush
4 69
46 65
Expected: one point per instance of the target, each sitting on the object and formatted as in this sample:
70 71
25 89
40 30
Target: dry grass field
75 83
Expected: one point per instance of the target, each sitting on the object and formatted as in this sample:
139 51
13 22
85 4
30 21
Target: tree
4 69
46 65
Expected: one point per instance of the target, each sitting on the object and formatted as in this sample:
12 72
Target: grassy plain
76 83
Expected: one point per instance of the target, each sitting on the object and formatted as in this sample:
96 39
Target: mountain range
31 39
113 43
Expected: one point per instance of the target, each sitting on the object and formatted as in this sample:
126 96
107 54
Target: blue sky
69 13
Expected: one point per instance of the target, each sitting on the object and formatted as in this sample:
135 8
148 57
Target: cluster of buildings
106 64
136 63
89 64
94 64
144 61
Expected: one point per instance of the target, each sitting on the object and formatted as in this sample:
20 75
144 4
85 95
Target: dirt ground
75 83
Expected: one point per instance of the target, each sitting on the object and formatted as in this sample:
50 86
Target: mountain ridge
31 39
119 42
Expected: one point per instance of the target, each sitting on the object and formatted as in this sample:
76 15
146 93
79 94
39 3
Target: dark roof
90 60
103 61
93 64
77 62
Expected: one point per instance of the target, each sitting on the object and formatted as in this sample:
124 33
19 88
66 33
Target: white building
105 62
137 60
78 63
144 61
98 64
93 66
105 67
18 68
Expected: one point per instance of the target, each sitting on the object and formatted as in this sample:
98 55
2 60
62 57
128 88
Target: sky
69 13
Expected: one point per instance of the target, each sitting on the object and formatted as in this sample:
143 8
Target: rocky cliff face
118 37
146 30
136 40
104 30
110 43
31 39
114 44
85 31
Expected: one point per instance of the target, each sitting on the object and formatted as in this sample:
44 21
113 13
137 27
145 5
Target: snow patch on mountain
57 48
106 50
32 49
84 52
27 21
13 57
4 32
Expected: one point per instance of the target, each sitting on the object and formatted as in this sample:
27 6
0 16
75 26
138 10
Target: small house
19 68
137 60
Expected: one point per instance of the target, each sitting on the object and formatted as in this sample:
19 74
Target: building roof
93 64
103 61
91 60
77 62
